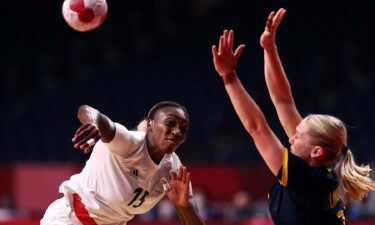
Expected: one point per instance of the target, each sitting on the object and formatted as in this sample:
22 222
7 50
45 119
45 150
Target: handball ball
84 15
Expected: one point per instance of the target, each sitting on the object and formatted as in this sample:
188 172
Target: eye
170 123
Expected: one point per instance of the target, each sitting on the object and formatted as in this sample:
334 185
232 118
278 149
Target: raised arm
249 113
178 192
95 126
277 82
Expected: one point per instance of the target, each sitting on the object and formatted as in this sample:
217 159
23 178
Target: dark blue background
149 51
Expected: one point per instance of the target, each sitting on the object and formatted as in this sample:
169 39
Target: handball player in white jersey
128 172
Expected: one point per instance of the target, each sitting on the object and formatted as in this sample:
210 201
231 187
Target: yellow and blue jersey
305 195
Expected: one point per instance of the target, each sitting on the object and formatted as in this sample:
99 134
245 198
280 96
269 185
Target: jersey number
142 199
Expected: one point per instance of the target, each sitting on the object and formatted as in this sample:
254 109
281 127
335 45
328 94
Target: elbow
83 108
283 101
252 128
256 127
87 114
283 96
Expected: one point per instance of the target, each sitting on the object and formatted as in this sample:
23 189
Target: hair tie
344 150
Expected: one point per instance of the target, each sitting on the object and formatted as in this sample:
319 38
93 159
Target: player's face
168 129
301 142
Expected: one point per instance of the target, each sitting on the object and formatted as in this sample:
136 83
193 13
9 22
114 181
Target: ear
317 152
150 123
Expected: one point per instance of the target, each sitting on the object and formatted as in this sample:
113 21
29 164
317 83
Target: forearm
277 82
247 110
106 127
180 216
280 92
188 215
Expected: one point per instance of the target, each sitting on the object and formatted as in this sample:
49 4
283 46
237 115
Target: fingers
173 175
274 19
188 176
89 145
81 139
214 50
180 172
91 142
230 40
226 47
181 176
226 42
278 17
270 20
270 16
81 128
226 35
238 51
221 45
85 137
166 186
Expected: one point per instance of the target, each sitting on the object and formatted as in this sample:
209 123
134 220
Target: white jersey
120 179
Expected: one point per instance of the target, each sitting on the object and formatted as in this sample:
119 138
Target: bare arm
95 125
189 215
249 113
277 82
178 193
256 125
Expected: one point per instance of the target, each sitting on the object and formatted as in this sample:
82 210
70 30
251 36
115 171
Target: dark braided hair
156 107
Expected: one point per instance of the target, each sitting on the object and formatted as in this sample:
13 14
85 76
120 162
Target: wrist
229 78
270 49
183 207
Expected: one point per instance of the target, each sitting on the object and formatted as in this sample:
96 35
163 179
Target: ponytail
355 180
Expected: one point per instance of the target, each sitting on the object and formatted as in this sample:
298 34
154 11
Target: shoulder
135 136
138 135
297 173
125 140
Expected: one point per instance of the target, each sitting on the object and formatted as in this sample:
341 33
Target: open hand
225 60
267 40
178 188
85 137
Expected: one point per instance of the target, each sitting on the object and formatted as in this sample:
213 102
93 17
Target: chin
168 149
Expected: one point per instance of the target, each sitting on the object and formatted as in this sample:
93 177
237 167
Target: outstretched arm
277 82
178 192
95 126
249 113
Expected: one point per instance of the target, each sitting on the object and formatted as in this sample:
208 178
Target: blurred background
154 50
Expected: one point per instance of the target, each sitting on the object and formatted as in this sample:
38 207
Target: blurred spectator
166 211
365 208
240 208
202 201
8 210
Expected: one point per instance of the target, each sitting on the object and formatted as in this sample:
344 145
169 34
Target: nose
291 140
176 132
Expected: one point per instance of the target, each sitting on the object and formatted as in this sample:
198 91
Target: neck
317 163
155 154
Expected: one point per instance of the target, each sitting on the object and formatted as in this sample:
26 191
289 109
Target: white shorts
59 213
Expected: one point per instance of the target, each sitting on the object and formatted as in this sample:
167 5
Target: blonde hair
330 133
